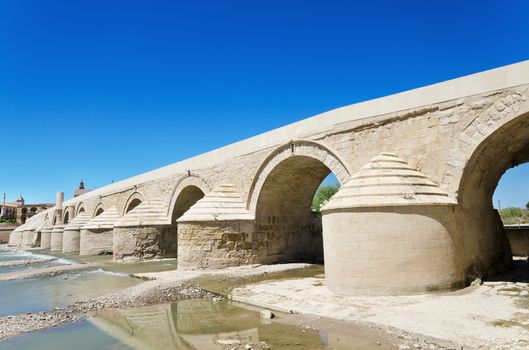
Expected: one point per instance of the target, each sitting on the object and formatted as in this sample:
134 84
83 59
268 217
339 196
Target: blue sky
103 90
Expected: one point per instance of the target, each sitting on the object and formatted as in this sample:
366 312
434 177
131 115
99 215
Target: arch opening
511 199
99 211
287 226
187 197
66 218
133 204
185 200
487 249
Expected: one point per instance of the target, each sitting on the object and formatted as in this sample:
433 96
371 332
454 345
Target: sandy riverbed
494 315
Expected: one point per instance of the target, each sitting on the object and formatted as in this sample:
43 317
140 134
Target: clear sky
103 90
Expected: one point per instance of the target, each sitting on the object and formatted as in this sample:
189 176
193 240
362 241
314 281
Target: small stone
248 347
476 282
266 314
227 341
404 347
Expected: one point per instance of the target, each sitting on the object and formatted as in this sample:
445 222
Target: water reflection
203 324
199 324
42 294
191 324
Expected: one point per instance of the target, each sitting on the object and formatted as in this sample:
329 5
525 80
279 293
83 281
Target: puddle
190 324
43 294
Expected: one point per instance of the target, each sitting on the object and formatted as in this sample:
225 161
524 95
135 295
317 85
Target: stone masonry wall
148 242
213 245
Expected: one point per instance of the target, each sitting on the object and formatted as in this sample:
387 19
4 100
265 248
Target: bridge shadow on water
518 272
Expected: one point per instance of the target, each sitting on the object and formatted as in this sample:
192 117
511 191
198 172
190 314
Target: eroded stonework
462 135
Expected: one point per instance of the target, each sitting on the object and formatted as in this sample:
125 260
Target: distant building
81 190
20 210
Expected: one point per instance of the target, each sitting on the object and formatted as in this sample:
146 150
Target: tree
527 206
323 194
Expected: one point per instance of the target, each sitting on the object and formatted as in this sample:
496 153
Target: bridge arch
56 219
80 208
281 196
186 192
297 148
66 216
99 209
504 145
133 201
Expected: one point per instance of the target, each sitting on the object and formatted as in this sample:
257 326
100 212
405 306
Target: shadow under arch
99 209
486 248
133 201
281 197
310 149
80 208
66 217
197 187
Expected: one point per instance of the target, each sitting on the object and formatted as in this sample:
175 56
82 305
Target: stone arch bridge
414 213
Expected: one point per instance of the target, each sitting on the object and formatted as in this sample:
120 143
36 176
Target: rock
248 347
404 347
476 282
228 341
266 314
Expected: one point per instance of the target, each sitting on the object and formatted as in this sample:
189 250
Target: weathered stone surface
399 229
215 244
97 235
461 135
144 242
45 241
71 240
56 238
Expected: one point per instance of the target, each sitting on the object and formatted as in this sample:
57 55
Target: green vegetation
323 194
8 220
512 215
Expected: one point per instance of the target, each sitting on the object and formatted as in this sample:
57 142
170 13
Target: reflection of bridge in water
203 324
191 324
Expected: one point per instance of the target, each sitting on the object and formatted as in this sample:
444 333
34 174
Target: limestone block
15 239
56 238
96 241
71 240
144 242
391 230
519 239
214 245
28 237
45 241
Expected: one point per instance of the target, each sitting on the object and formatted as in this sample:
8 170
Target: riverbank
144 294
493 315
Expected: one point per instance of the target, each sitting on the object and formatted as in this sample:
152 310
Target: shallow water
125 267
78 336
36 265
189 324
43 294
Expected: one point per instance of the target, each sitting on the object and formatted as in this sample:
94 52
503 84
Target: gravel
148 293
